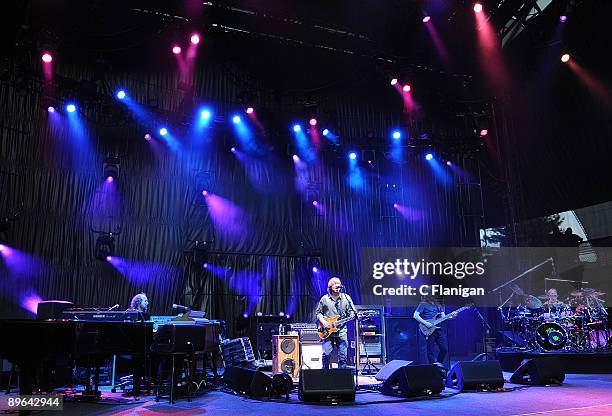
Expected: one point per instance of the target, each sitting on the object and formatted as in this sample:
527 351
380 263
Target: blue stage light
428 156
121 94
297 128
71 108
352 155
163 131
205 114
396 134
236 119
325 132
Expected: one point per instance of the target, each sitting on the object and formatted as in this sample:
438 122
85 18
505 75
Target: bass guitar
335 322
438 319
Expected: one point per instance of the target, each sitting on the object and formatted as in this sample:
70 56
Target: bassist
335 303
428 309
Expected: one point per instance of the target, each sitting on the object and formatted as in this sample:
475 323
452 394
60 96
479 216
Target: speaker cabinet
312 356
475 376
539 371
413 380
247 381
388 369
286 354
337 385
52 309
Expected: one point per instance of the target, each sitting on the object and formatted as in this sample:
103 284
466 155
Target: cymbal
517 290
587 292
532 302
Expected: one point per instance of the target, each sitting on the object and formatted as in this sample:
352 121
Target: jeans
437 338
340 341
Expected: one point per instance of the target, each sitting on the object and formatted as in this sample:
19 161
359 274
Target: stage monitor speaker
539 371
312 356
247 381
336 385
286 354
389 368
475 376
413 380
52 309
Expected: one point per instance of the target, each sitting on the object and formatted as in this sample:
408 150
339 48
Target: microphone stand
486 328
356 340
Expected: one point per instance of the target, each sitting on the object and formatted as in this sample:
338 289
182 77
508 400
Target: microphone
113 307
185 308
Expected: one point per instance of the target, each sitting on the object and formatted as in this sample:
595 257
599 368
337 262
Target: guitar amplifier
286 354
308 336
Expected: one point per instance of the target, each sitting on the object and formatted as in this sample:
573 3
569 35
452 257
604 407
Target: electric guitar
335 321
438 319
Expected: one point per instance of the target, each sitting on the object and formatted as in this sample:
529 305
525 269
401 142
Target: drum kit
545 323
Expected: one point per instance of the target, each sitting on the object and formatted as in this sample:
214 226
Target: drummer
554 307
553 298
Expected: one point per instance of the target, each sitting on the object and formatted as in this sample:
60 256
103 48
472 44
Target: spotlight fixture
250 110
121 94
195 38
352 155
313 122
396 134
176 49
484 132
406 88
426 19
105 246
565 57
111 168
477 7
46 57
428 156
236 119
395 205
51 109
147 137
315 203
163 131
71 108
563 18
325 132
233 150
394 81
297 128
205 114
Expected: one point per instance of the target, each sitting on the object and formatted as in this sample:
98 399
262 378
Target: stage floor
582 394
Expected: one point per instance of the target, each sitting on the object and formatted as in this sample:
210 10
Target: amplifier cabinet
286 354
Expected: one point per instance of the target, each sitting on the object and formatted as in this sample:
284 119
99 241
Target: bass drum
551 336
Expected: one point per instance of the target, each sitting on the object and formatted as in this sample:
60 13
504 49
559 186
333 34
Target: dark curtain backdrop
262 240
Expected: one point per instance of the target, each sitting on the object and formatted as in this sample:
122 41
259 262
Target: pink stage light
478 7
484 132
51 109
250 110
109 179
394 81
563 18
313 122
315 203
195 39
205 192
426 19
46 57
565 57
176 49
296 158
394 205
147 137
407 88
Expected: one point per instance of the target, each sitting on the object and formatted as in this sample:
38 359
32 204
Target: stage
581 394
573 362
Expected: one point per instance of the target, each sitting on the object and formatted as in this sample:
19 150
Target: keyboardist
139 303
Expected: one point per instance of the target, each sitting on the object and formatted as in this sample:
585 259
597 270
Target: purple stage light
315 203
563 18
2 248
205 265
51 109
296 158
176 49
233 150
245 315
395 205
147 136
47 57
315 269
394 81
109 179
426 19
205 192
108 258
195 39
449 163
313 122
250 110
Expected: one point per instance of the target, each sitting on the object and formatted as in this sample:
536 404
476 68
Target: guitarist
333 304
428 309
